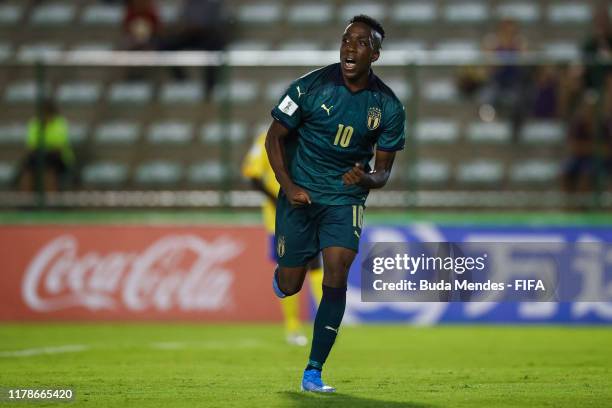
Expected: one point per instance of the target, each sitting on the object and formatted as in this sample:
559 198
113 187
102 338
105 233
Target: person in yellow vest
56 157
256 167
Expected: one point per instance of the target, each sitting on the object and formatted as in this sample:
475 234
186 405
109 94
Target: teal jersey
333 128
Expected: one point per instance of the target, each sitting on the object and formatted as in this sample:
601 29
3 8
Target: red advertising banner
135 273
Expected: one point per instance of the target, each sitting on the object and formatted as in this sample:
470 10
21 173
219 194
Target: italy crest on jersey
374 115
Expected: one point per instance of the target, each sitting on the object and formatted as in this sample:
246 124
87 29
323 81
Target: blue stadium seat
81 92
522 12
10 13
375 10
36 51
240 91
543 132
20 92
568 13
102 14
13 133
53 14
207 172
320 13
7 172
181 92
212 133
131 92
437 130
414 13
104 173
171 132
466 12
493 132
119 132
159 172
431 171
259 13
440 90
534 171
480 172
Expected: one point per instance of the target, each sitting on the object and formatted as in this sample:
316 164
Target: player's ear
375 56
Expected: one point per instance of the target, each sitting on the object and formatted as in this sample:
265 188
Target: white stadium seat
543 132
10 13
172 132
188 92
213 133
320 13
20 92
466 12
77 132
7 172
6 51
573 12
440 90
434 130
159 172
562 49
131 92
81 92
414 12
493 132
105 173
36 51
534 171
120 132
431 171
520 11
240 91
205 172
480 172
374 10
260 13
53 14
13 133
102 14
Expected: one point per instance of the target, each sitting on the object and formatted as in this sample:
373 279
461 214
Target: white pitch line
70 348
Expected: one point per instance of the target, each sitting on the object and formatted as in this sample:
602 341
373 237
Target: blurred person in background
580 168
203 25
257 169
141 25
48 149
544 93
597 48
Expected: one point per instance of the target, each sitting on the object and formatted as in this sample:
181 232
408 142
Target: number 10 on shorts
358 216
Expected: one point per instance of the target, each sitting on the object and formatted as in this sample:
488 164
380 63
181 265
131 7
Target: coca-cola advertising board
135 273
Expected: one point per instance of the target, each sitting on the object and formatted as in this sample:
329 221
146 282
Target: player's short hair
378 32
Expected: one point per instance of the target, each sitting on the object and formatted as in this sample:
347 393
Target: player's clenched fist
297 196
354 175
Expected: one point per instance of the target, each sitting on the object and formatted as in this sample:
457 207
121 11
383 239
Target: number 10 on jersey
343 136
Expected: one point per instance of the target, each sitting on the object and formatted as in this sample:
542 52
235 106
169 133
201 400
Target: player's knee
291 288
290 281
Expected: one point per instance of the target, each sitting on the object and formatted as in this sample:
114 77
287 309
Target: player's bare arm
275 148
377 178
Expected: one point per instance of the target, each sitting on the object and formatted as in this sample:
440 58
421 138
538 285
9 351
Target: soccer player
256 168
326 128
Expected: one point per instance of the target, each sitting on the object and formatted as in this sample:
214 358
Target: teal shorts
302 232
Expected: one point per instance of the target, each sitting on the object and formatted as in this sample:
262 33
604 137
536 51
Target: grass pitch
176 365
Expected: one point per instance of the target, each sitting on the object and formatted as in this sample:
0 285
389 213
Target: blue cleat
279 293
312 382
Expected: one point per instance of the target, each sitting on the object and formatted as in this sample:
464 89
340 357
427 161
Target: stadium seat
374 10
494 132
173 132
401 87
37 51
120 132
13 133
240 91
310 14
466 12
6 51
7 172
299 45
182 92
435 130
169 12
463 45
520 11
574 12
104 173
563 50
159 172
10 14
93 46
20 92
206 172
542 132
429 171
212 133
81 92
53 14
534 171
414 12
480 172
131 92
440 90
249 45
260 13
404 45
274 90
102 14
77 132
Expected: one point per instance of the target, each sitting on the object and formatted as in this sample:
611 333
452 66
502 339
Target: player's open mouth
349 64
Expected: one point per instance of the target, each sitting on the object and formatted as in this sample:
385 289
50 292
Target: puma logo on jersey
357 234
300 93
332 329
326 109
